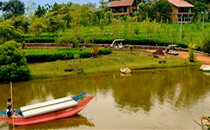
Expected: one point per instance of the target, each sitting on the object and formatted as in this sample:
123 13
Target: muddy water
159 99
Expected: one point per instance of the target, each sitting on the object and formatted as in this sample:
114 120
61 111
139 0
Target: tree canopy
9 32
13 65
13 8
206 45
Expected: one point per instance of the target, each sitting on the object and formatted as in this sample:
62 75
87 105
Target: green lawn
108 63
140 31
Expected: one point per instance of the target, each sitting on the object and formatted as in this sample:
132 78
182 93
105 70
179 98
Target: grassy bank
107 63
133 33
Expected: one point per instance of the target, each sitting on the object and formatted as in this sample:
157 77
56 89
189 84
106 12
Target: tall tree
40 11
1 4
13 8
206 45
54 22
38 25
13 64
9 32
163 10
21 23
200 6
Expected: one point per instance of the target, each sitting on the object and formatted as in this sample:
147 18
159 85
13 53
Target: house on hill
181 11
123 7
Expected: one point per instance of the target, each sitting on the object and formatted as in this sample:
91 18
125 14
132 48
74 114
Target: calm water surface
159 99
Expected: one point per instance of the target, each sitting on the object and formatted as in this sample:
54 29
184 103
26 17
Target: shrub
206 45
106 51
46 55
8 32
191 57
40 40
95 51
13 65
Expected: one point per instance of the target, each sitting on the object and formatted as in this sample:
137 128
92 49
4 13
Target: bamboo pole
12 104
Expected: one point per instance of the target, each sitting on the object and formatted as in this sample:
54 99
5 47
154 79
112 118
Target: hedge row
100 41
143 42
65 54
40 40
43 35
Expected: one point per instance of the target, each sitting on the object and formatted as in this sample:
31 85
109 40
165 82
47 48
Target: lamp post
180 37
203 23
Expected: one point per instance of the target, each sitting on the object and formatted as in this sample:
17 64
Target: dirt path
199 57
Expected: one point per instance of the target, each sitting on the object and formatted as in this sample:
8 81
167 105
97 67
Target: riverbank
138 59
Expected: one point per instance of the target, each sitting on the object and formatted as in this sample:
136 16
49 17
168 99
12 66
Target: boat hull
49 116
206 69
76 98
125 70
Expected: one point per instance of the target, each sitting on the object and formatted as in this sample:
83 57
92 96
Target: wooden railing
184 20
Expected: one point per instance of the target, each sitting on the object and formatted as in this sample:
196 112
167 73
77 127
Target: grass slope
138 31
109 63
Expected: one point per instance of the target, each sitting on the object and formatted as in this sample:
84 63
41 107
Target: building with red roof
181 11
123 7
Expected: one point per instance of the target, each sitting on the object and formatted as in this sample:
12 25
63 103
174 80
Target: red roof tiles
181 3
121 3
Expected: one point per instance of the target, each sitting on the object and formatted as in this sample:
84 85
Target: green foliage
54 22
40 11
200 6
1 4
37 26
72 36
136 29
159 10
13 65
206 45
13 8
139 33
43 39
164 10
109 16
21 23
191 52
73 23
8 32
46 55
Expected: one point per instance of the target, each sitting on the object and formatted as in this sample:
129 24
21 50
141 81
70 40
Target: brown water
160 99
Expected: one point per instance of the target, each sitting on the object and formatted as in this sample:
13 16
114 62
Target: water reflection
181 87
147 91
66 123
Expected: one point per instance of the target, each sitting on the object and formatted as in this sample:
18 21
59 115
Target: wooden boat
204 66
206 69
48 116
125 70
76 98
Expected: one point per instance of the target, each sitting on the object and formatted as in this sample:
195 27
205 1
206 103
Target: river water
152 99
